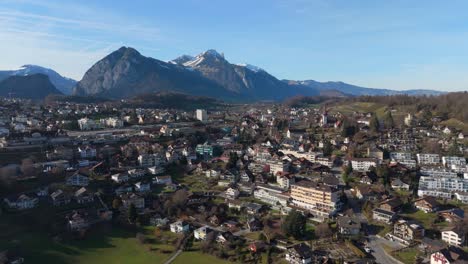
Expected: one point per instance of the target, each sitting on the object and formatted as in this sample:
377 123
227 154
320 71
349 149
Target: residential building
407 232
382 215
450 255
232 193
60 198
202 232
179 227
120 177
449 161
271 195
428 159
363 164
454 236
21 202
348 226
201 115
87 152
77 180
321 200
132 198
83 196
299 254
426 204
142 187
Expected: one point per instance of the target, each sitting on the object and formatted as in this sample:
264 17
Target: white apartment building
87 124
444 187
399 156
150 160
201 115
271 195
325 161
438 172
428 159
87 152
112 122
453 236
363 164
310 156
409 163
448 161
277 166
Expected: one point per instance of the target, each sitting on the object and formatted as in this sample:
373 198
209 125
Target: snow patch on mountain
251 67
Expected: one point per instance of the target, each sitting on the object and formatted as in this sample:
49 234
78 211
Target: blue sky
384 44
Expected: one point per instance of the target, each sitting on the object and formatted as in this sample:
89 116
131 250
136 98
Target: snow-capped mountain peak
62 83
251 67
213 52
182 59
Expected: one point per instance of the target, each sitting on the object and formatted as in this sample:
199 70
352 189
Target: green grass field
407 255
196 257
101 246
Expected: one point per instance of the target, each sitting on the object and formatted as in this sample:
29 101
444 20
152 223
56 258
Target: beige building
319 199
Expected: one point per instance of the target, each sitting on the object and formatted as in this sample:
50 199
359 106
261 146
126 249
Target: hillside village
256 183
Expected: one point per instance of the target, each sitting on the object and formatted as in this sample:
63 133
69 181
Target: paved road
381 257
173 256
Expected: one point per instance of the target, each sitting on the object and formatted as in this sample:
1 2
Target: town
338 182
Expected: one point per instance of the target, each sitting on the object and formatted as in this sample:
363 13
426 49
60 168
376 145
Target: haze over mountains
63 84
126 73
34 86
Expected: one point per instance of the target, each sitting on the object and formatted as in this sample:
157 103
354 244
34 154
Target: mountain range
126 73
63 84
34 86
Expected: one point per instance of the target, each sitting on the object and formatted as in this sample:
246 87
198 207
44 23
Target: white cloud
66 37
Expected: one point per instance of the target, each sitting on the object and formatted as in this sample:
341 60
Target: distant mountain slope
354 90
35 86
250 82
125 73
63 84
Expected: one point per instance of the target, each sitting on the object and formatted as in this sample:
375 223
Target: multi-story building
448 161
407 232
321 200
428 159
149 160
271 195
299 254
443 187
87 124
439 172
87 152
112 122
205 150
453 236
77 180
363 164
399 156
201 115
21 202
278 166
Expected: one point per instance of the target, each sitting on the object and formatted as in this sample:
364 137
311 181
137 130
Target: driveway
382 257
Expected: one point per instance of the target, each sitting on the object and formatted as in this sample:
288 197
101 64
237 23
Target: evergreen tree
132 213
454 149
374 123
294 224
327 148
388 121
384 173
116 203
